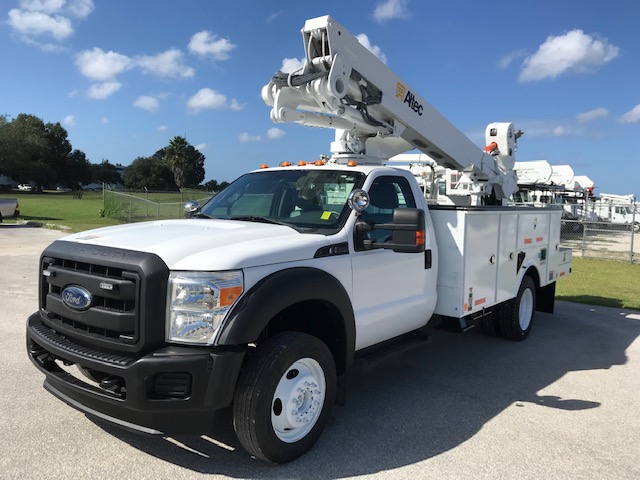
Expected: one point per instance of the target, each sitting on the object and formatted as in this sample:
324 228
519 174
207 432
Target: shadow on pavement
427 402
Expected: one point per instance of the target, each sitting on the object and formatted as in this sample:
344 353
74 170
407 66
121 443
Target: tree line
34 151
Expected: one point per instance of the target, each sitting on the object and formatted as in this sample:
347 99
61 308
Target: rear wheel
284 397
515 316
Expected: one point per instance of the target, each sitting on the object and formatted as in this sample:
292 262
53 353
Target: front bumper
168 391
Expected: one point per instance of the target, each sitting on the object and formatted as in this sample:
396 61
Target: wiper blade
200 215
259 219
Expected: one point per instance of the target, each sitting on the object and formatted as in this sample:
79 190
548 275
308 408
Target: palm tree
176 154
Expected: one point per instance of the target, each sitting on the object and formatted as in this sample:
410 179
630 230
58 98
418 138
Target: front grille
113 312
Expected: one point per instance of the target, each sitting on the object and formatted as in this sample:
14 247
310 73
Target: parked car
25 187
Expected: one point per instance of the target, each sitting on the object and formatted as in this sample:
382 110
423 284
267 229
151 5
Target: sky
124 77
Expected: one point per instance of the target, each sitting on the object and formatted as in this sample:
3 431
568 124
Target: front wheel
284 397
515 316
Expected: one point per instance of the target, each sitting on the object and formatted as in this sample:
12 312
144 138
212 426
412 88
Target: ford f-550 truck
263 299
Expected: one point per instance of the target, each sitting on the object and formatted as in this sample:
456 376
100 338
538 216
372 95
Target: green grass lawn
602 282
594 281
60 211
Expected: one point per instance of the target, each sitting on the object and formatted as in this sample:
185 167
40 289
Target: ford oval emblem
76 298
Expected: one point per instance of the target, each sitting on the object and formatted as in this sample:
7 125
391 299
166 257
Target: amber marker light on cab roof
264 165
285 164
352 163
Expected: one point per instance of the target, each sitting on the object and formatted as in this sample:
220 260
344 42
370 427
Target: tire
515 316
284 397
489 325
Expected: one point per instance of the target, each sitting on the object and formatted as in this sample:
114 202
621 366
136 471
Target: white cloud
562 131
377 51
163 128
632 116
509 58
547 128
208 99
47 18
291 65
207 44
97 64
574 52
166 64
104 120
80 8
75 8
31 23
69 121
592 115
100 91
276 133
234 105
390 9
45 6
272 134
273 16
146 102
244 137
201 147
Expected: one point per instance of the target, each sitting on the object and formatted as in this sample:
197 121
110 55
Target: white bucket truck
266 296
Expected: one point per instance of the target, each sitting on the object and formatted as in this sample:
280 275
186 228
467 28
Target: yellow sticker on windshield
325 215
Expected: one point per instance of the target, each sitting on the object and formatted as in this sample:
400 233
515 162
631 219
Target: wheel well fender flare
258 306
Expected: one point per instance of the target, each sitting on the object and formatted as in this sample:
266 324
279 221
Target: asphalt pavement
564 404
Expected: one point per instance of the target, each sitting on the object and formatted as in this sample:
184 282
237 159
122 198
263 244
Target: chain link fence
597 230
147 205
603 230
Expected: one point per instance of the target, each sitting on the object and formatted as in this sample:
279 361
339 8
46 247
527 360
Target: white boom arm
376 115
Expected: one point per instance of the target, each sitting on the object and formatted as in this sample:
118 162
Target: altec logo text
409 98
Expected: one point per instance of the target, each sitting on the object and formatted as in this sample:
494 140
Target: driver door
393 293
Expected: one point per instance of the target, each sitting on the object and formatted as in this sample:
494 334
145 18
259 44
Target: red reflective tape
539 239
528 241
480 301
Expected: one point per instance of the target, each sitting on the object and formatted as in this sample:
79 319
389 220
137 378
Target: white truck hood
201 244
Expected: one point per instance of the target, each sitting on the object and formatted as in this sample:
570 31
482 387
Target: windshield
303 199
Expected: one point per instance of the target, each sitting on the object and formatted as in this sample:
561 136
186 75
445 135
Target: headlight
198 302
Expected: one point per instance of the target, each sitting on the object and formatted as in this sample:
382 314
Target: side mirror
408 231
190 208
